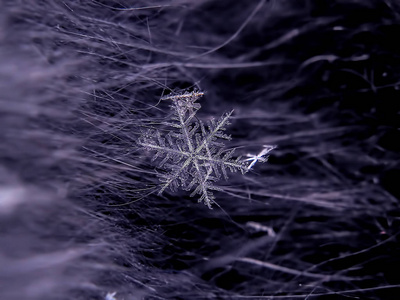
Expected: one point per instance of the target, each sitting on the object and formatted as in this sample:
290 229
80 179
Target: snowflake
110 296
192 153
260 157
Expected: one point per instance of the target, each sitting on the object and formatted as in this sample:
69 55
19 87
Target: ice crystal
192 153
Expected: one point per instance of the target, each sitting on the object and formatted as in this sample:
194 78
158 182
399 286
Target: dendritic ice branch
192 153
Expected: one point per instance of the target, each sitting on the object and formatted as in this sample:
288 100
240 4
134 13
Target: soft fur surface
80 217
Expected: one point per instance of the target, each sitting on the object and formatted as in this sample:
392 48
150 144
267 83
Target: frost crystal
192 153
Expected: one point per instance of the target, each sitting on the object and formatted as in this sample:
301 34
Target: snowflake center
192 155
